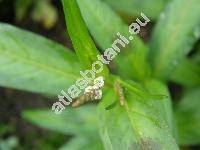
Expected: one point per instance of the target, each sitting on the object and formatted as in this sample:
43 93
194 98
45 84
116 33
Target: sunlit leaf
140 123
82 42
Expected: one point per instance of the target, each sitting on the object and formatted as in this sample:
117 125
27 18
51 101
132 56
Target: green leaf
196 57
87 142
187 73
82 42
33 63
187 114
174 35
9 143
21 8
104 24
141 123
135 7
78 121
44 12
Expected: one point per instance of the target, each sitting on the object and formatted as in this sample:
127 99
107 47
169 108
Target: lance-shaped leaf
104 24
87 142
78 121
134 7
33 63
174 35
187 114
82 42
187 73
141 123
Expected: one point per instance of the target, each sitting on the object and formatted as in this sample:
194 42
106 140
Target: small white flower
88 89
95 92
98 94
95 87
99 82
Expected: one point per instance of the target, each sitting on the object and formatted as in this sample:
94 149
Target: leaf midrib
12 56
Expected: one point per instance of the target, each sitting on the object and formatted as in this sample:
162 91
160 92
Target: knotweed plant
133 107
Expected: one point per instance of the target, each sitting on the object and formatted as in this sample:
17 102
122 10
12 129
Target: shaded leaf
135 7
21 8
174 35
33 63
187 114
87 142
45 13
187 73
9 143
78 121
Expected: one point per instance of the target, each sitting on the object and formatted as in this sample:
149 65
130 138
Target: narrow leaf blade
87 142
78 121
187 73
174 35
187 114
82 42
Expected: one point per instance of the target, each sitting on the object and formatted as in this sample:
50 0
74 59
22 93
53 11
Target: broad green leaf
104 24
187 114
174 35
135 7
87 142
78 121
33 63
139 124
187 73
82 42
